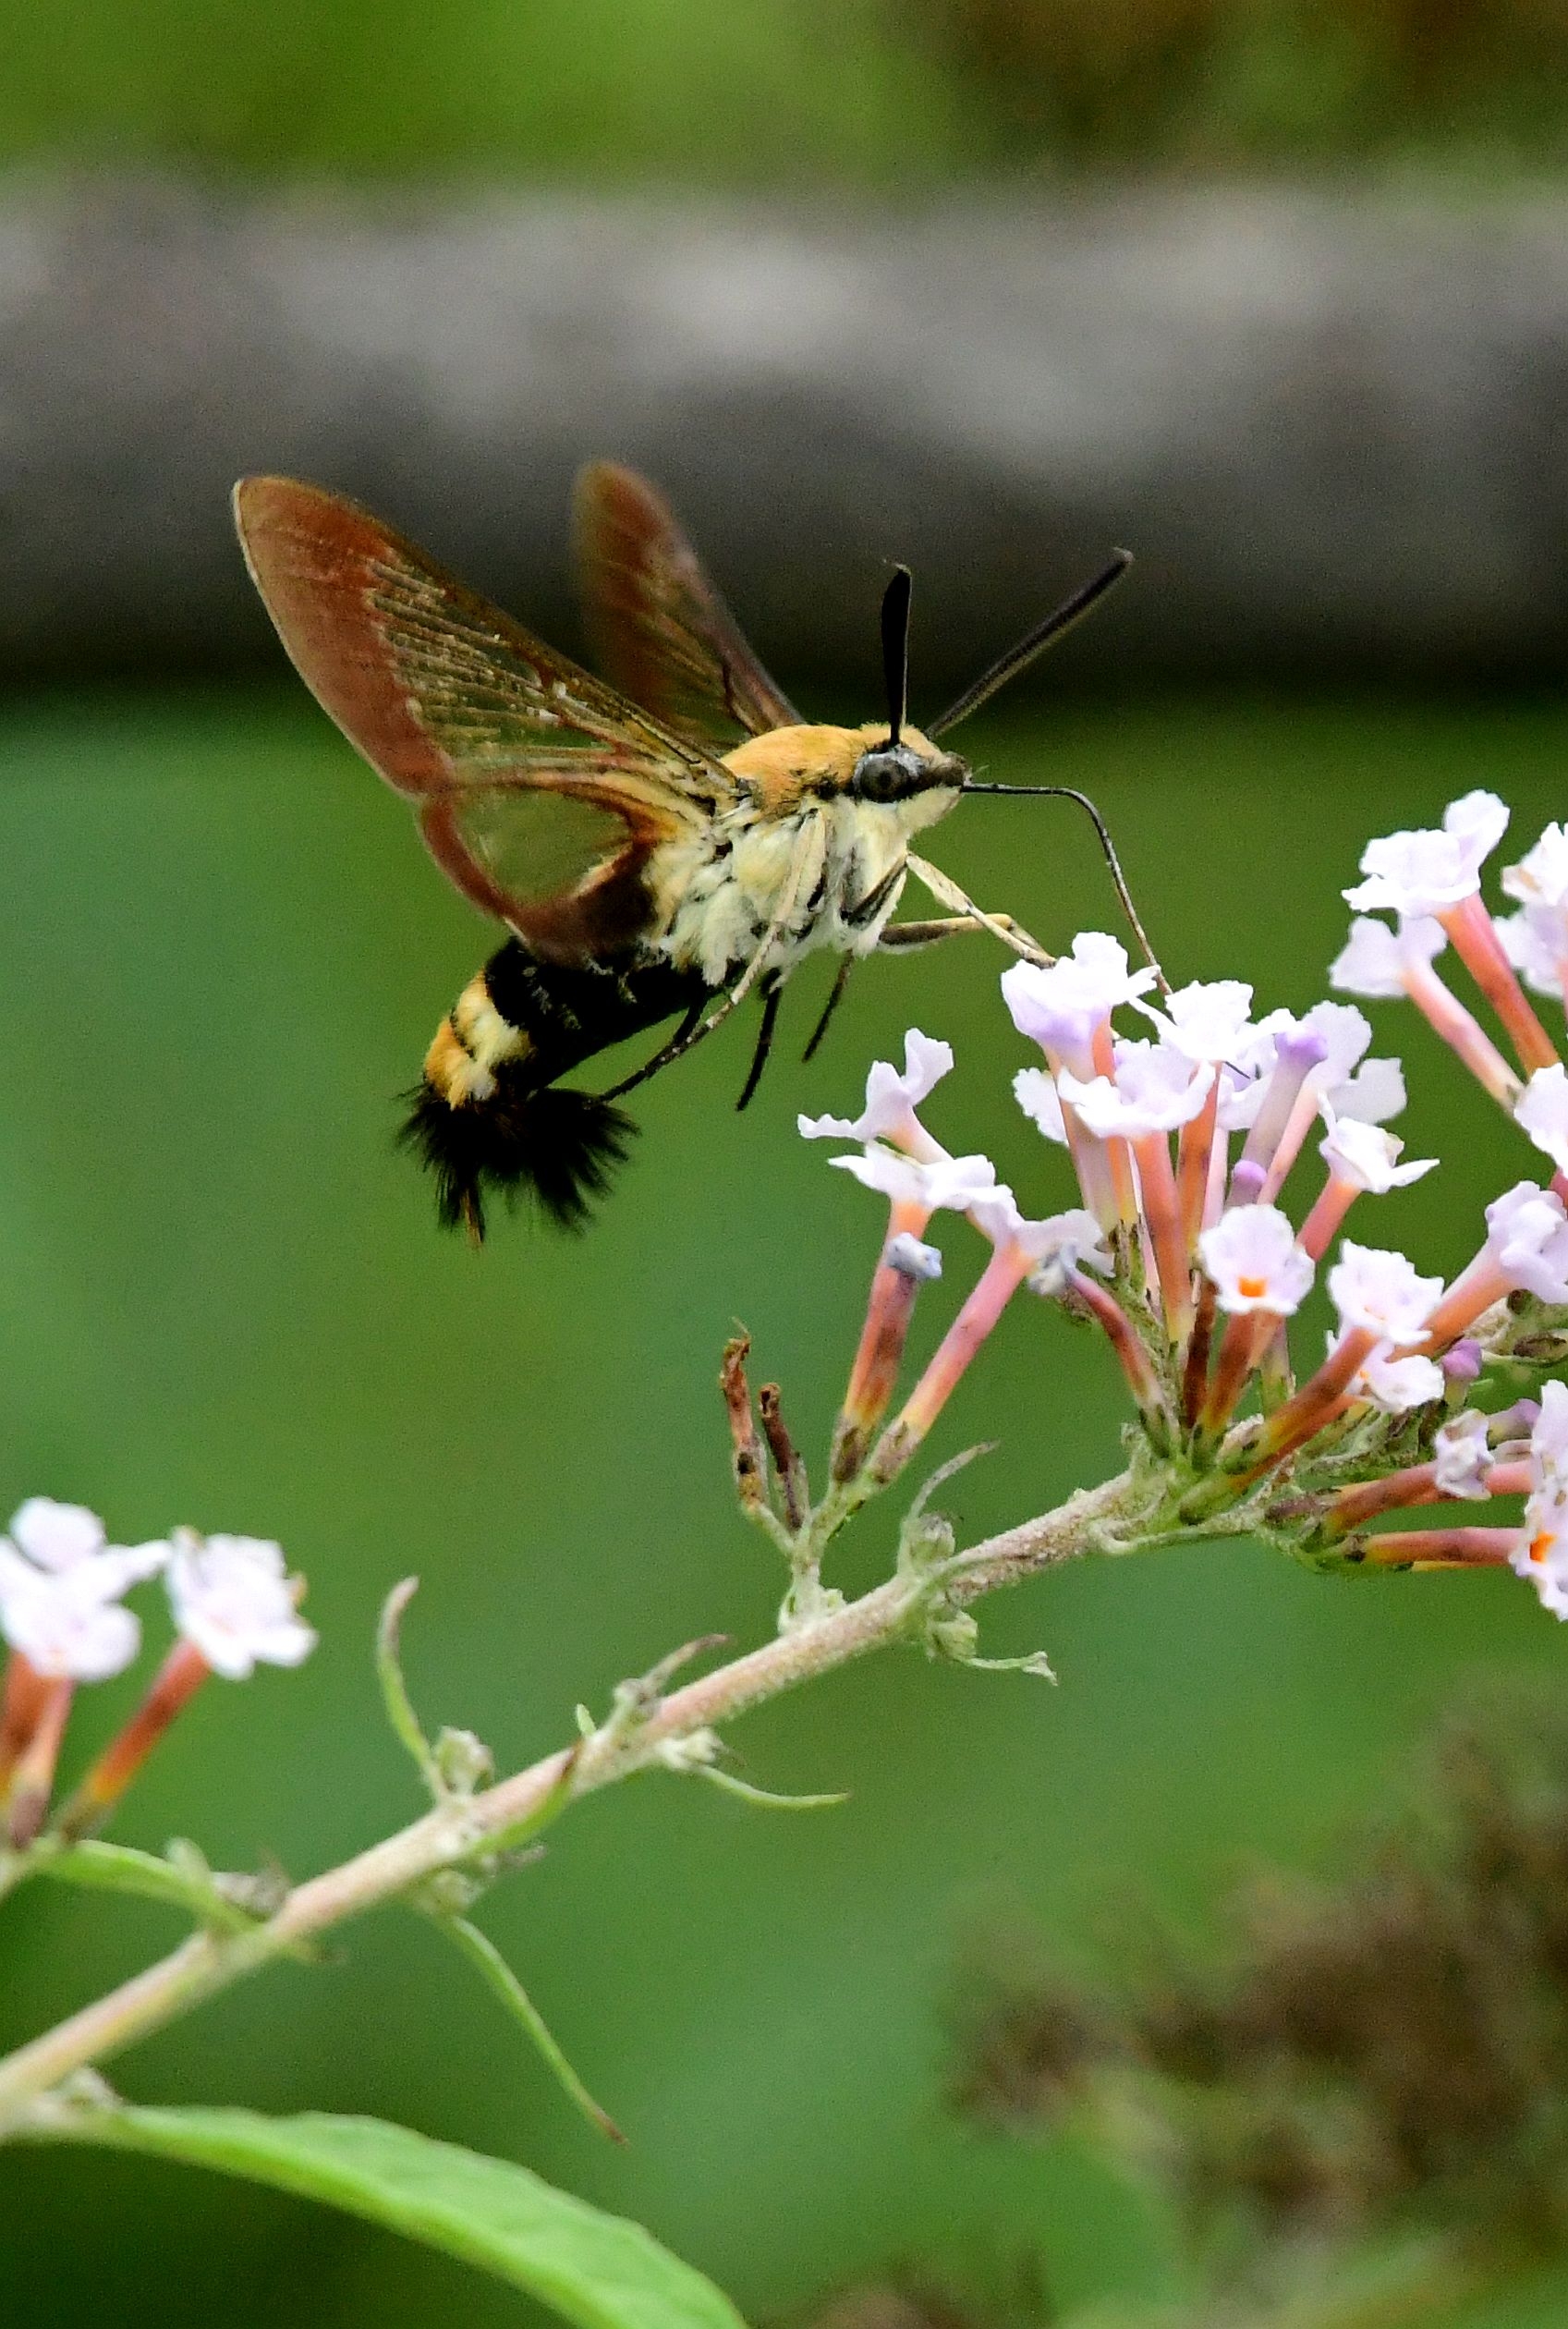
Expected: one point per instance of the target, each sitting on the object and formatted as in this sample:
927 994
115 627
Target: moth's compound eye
887 775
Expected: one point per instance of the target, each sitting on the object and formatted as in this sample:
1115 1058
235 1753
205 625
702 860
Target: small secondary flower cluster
62 1611
1182 1139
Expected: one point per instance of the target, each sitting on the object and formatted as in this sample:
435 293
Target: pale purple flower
1417 873
1549 1438
1461 1456
1206 1021
1378 961
1395 1384
1155 1090
1074 1237
953 1182
1254 1264
1527 1240
1061 1004
1541 1110
1541 1554
1379 1292
1368 1157
234 1600
1374 1093
1036 1094
891 1099
1541 878
1535 942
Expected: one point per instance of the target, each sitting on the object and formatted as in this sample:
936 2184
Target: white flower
1541 1110
1419 874
1374 1093
1541 878
1060 1005
1461 1456
911 1258
1396 1384
1075 1237
1252 1256
1541 1553
1535 942
1209 1020
1368 1157
56 1536
61 1536
890 1098
951 1181
1379 1292
1037 1094
1528 1239
1371 1091
64 1623
1154 1090
60 1588
1548 1439
234 1600
1240 1096
1345 1033
1377 960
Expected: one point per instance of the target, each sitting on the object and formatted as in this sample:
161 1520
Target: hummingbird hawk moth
657 847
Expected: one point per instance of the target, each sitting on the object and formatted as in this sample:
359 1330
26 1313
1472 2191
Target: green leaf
482 1954
599 2271
399 1706
186 1884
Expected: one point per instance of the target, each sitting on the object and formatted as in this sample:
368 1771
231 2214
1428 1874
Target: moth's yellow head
790 766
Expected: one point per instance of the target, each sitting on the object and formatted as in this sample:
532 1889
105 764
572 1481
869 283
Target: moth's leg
899 937
691 1030
947 892
804 867
771 989
829 1008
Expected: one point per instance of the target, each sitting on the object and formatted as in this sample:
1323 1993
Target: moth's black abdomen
490 1117
558 1146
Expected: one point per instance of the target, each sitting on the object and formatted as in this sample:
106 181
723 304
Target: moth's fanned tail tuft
573 1141
558 1146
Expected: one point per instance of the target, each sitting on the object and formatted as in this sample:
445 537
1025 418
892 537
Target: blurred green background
225 1301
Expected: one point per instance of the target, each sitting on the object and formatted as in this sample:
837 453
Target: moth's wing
540 791
659 627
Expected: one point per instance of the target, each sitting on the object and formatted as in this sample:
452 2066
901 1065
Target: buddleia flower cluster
1213 1159
62 1613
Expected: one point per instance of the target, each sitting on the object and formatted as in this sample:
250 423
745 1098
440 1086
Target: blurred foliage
1366 2059
225 1303
797 93
1218 84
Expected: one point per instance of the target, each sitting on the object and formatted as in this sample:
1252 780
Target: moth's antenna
895 650
1007 666
1067 792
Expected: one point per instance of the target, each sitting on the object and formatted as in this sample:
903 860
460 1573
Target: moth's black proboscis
558 1146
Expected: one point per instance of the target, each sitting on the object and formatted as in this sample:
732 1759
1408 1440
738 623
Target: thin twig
465 1830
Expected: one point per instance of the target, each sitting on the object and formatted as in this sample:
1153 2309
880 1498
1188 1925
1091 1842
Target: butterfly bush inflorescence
1185 1119
63 1614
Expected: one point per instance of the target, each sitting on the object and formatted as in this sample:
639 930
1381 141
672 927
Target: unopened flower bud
911 1258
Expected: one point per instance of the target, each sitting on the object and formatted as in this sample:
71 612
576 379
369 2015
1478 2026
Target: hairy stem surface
466 1829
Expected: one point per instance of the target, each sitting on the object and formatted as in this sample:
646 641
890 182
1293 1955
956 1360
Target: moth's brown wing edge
660 627
316 603
311 552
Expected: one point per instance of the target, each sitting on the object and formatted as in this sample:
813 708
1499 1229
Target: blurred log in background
1332 428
